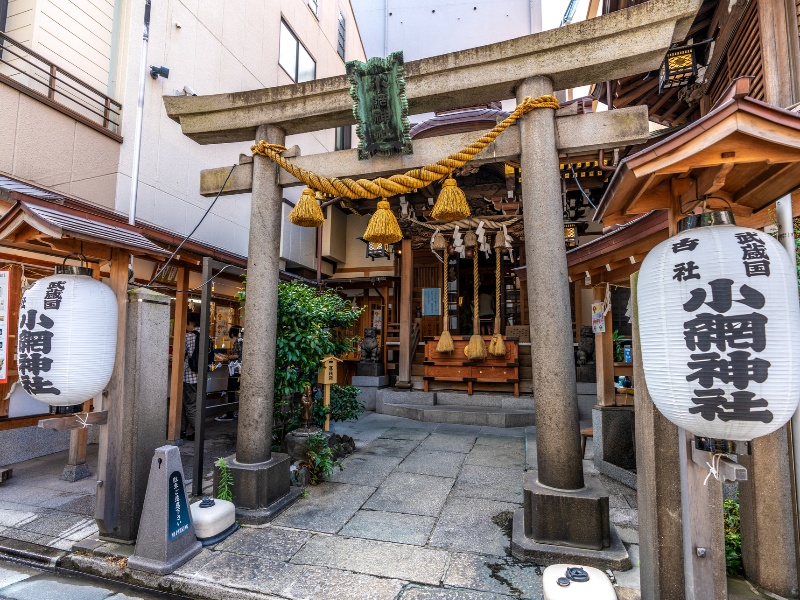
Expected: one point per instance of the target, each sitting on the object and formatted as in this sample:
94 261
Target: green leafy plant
618 351
319 459
225 484
733 538
310 326
345 405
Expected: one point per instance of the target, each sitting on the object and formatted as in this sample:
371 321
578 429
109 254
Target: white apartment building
76 64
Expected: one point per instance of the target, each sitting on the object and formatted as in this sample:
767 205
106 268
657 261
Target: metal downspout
137 139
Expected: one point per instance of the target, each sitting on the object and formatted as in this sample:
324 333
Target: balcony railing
33 75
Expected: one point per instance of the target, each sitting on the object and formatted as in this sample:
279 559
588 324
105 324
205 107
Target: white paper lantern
719 326
67 339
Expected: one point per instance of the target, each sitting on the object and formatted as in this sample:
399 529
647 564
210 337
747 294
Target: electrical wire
191 233
575 177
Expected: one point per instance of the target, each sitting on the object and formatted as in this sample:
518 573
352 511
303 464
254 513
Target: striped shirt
189 376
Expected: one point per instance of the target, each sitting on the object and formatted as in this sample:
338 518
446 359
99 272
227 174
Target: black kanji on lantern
712 404
754 254
726 331
722 297
35 341
739 368
685 245
53 295
687 270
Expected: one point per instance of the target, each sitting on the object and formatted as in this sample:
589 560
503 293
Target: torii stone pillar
261 485
563 519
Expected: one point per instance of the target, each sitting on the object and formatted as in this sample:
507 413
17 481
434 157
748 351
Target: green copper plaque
380 106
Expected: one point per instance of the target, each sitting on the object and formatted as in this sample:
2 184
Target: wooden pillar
384 327
77 468
779 52
406 297
178 351
577 294
107 499
658 489
604 357
703 530
14 296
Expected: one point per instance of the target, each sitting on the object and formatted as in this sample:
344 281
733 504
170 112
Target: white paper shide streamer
720 332
67 339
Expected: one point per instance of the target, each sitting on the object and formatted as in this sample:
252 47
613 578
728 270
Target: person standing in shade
234 370
190 377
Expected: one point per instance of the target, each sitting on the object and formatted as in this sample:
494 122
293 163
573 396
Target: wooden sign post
327 377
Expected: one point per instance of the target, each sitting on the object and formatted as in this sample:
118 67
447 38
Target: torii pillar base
542 535
262 490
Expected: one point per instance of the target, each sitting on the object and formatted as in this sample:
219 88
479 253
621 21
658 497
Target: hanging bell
499 241
470 239
438 242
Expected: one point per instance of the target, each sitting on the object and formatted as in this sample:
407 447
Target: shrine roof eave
753 146
621 247
608 47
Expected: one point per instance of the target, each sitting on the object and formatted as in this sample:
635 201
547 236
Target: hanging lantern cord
445 340
476 349
497 346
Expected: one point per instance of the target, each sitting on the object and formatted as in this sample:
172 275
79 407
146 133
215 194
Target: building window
3 14
340 44
294 58
343 134
314 6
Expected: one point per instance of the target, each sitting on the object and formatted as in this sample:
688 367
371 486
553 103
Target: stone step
505 401
461 415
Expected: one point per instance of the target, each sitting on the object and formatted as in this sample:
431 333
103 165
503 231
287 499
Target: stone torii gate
562 516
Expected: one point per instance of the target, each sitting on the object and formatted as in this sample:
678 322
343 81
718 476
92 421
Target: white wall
220 46
421 28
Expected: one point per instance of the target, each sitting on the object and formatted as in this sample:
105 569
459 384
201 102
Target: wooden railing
35 76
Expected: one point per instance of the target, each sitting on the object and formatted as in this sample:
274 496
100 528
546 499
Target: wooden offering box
455 366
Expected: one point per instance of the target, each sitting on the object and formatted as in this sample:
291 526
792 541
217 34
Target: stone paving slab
406 433
320 583
327 508
11 573
498 441
388 447
366 470
490 456
492 483
411 493
419 593
494 574
258 573
466 524
390 527
448 442
270 541
433 462
421 565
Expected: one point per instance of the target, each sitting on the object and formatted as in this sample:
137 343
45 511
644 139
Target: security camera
189 91
155 72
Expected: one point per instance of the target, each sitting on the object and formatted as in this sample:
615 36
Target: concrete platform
462 415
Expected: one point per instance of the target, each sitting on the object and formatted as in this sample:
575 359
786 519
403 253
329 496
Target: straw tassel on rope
497 347
476 349
451 204
383 227
307 212
445 340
